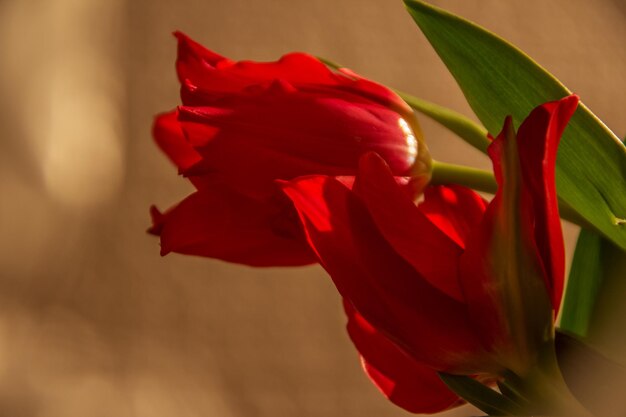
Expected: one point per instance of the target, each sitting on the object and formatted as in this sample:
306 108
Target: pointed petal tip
157 221
192 56
570 103
370 159
161 120
508 123
565 107
155 212
285 185
182 38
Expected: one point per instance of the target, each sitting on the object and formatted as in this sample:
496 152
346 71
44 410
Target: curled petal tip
371 158
184 39
571 102
282 184
508 123
157 221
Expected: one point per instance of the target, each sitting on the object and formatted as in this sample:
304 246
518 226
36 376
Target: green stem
481 180
477 179
468 130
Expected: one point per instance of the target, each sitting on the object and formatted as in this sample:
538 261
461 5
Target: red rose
453 284
244 124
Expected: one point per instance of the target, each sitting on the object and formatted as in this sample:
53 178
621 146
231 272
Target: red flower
244 124
453 284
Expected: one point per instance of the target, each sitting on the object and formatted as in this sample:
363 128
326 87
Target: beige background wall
92 321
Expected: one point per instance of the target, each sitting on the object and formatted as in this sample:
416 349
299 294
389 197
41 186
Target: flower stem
468 130
481 180
477 179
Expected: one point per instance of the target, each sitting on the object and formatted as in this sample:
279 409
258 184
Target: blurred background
92 321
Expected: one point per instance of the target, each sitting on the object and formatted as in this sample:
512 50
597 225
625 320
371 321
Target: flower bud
244 125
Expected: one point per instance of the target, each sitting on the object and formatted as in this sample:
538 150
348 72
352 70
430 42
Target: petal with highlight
456 210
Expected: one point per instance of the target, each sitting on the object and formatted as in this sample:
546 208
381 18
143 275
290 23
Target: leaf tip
415 5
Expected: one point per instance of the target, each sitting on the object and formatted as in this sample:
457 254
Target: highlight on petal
404 381
456 210
303 70
302 134
248 124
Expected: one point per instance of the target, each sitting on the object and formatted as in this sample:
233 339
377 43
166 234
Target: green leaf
513 394
480 396
465 128
583 283
499 79
594 306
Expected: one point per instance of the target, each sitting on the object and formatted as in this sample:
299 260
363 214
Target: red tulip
453 284
244 125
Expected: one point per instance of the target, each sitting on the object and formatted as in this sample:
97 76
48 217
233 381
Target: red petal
500 273
411 234
454 209
384 288
512 268
205 75
295 68
157 221
169 136
220 223
538 140
277 134
404 381
210 72
194 60
374 91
